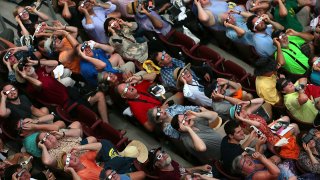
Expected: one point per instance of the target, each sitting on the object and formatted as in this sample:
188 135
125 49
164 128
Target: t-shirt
72 64
51 91
211 138
263 43
22 110
88 70
290 21
266 88
305 112
91 170
230 152
30 27
139 107
172 175
291 65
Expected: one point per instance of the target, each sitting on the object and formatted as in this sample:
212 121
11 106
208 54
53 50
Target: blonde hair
15 11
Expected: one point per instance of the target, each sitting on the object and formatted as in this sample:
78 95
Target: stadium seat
143 167
225 173
207 53
239 73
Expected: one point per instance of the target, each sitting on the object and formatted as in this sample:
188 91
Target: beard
12 99
167 162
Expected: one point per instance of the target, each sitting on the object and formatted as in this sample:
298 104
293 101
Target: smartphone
250 150
307 138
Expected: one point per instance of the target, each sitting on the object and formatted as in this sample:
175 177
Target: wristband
250 102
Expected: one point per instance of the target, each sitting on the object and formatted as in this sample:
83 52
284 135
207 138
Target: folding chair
205 52
178 38
239 73
225 173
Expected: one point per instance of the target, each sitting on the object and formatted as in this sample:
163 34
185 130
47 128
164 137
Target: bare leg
116 60
101 103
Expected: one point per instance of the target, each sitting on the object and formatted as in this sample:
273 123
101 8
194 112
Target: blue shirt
167 73
147 25
263 43
88 70
172 111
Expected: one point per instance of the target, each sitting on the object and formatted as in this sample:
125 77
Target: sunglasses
23 12
238 109
68 159
9 91
184 120
160 155
185 72
282 35
257 23
113 24
228 18
26 162
111 175
8 55
83 3
158 113
84 45
163 54
45 138
125 90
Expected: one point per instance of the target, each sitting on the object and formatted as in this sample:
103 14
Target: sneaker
316 122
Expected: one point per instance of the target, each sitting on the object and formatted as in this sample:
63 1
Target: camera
309 136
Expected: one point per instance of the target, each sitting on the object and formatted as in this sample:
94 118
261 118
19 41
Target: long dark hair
106 25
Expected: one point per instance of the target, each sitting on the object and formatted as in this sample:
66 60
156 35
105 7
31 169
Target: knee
75 125
45 110
91 139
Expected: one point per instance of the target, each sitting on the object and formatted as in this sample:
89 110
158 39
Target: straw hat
19 78
177 73
136 149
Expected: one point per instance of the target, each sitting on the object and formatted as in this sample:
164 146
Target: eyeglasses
228 18
283 85
125 90
84 45
23 12
110 176
160 155
45 138
185 72
158 113
85 2
282 35
257 23
184 120
113 24
9 91
109 77
68 159
7 55
163 55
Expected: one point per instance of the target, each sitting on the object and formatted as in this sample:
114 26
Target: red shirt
312 90
51 91
172 175
139 107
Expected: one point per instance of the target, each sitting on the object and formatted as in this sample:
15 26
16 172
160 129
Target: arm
99 65
204 16
24 31
37 112
302 98
209 115
74 174
46 158
105 47
65 11
44 119
41 15
249 140
8 43
157 23
91 147
4 111
197 141
272 172
280 58
282 9
275 25
149 76
255 104
240 32
304 35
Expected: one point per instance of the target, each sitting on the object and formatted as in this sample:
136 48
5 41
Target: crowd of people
58 80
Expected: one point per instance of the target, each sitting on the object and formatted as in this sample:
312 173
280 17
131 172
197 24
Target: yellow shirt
266 89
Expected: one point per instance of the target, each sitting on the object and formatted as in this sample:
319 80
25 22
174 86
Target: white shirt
192 92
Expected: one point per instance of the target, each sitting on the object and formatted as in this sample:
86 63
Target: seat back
173 49
181 39
249 85
225 173
207 53
142 167
233 68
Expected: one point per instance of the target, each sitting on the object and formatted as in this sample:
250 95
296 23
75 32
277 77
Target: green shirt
305 112
291 65
290 21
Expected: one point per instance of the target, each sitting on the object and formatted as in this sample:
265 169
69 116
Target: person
246 166
86 167
297 98
47 89
198 138
97 57
266 80
244 113
70 12
17 172
163 115
113 175
315 74
236 28
138 97
192 89
122 39
148 19
262 41
52 144
168 64
166 168
94 16
291 41
15 106
26 18
230 144
209 13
